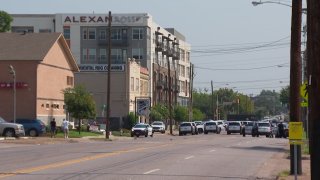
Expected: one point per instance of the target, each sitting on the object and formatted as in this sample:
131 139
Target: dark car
32 127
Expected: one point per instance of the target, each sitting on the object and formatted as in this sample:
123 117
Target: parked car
32 127
285 129
158 126
255 130
234 127
211 126
200 126
248 128
11 129
187 127
142 129
221 125
264 128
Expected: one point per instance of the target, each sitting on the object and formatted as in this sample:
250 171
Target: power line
241 69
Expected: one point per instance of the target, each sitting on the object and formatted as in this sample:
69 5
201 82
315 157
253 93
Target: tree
180 113
159 112
5 21
132 119
285 95
197 115
79 103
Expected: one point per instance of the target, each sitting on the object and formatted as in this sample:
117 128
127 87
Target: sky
233 43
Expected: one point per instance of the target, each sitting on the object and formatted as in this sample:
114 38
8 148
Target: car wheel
146 135
138 135
132 135
228 132
151 135
180 134
9 133
33 133
162 132
205 132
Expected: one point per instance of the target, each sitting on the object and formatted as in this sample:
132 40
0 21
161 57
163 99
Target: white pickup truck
10 129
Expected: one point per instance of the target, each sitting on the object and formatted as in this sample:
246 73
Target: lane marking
73 161
212 150
151 171
189 157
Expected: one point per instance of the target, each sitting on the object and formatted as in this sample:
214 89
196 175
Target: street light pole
13 72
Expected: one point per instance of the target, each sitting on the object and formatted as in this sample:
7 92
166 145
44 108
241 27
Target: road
162 157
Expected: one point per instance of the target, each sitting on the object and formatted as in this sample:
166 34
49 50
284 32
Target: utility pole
109 77
313 70
217 104
169 90
212 100
191 76
295 77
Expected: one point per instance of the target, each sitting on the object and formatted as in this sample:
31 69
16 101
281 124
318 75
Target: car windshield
210 123
2 120
250 124
156 123
219 123
264 124
198 123
234 124
185 124
140 126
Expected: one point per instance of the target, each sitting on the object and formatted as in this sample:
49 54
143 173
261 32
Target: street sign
295 130
304 104
296 142
143 107
303 91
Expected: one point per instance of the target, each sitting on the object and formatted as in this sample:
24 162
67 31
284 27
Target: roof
31 46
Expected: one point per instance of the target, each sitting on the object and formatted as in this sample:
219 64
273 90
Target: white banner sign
101 67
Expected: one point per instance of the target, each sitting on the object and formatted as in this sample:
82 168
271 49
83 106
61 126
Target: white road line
212 150
189 157
151 171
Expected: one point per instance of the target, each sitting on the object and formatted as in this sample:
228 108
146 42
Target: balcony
114 42
159 46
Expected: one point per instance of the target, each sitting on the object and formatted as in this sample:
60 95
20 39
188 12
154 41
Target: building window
188 72
92 33
137 33
116 34
103 55
137 84
132 84
116 56
103 34
188 57
44 30
84 33
66 32
89 55
47 105
137 53
69 81
92 54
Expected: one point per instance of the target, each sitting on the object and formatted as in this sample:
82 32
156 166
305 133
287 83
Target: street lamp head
11 70
256 3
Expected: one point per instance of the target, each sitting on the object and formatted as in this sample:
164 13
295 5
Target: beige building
44 67
129 83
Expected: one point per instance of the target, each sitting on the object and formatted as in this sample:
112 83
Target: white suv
187 127
234 127
158 126
211 126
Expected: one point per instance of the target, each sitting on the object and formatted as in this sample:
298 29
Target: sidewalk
278 167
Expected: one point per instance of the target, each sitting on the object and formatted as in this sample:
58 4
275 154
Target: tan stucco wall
52 80
96 84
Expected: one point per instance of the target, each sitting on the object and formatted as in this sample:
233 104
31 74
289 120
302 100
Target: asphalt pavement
164 156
